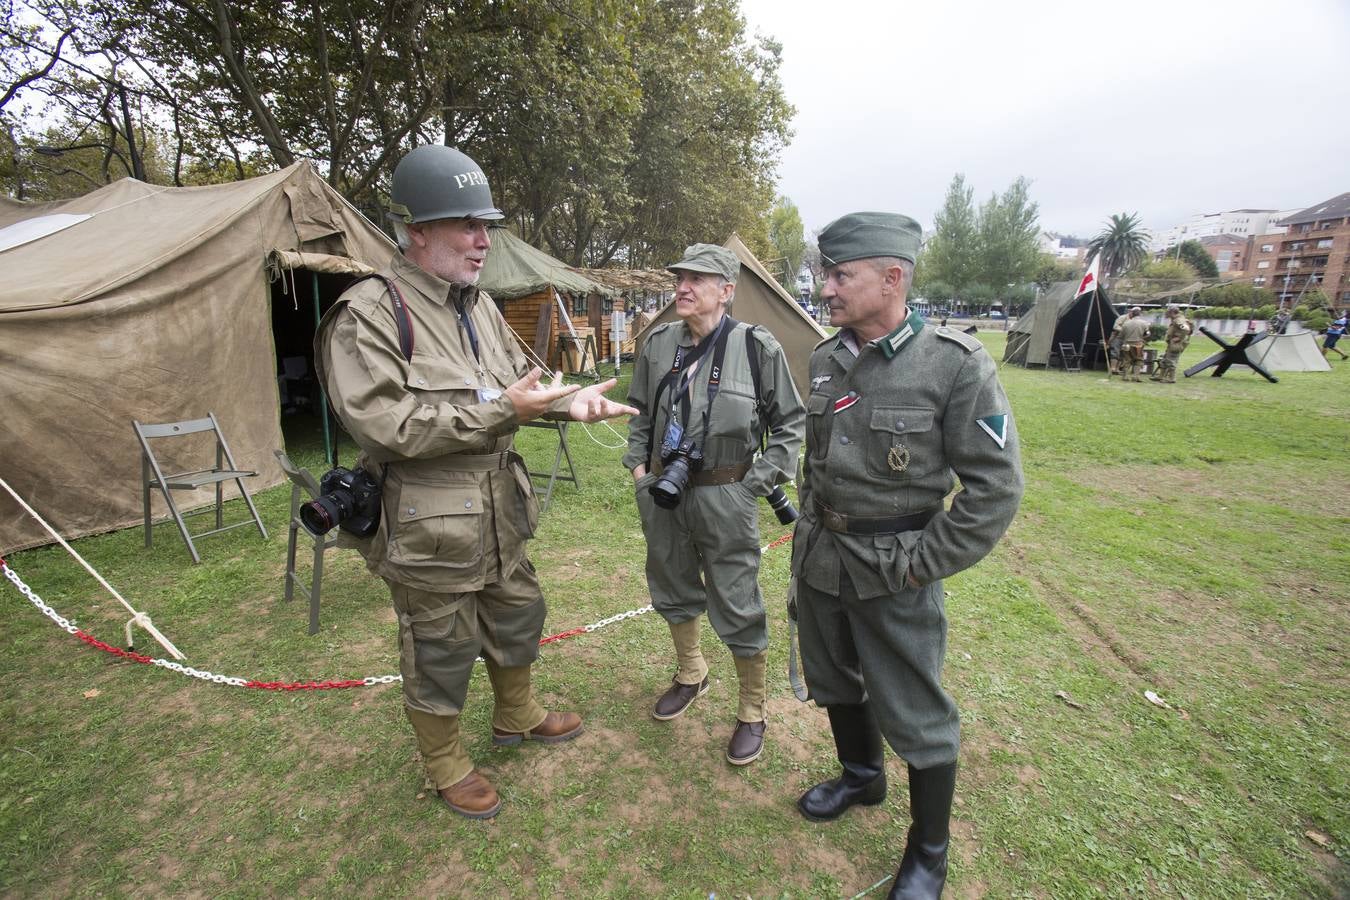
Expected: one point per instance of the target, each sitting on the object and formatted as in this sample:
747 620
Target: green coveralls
888 433
703 555
458 505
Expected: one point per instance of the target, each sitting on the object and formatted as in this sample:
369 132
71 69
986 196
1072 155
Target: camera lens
320 515
782 506
666 490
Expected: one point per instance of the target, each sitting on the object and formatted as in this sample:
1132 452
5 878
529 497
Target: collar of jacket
443 292
893 343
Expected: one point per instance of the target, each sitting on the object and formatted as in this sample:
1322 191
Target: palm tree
1122 243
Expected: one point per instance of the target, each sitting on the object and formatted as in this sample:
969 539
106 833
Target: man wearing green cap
898 411
427 378
704 412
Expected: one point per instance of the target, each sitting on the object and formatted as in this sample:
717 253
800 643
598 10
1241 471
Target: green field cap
863 234
708 258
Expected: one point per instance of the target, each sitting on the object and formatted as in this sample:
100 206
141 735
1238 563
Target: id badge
674 433
488 394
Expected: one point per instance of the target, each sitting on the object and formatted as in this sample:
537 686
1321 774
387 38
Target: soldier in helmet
1178 336
898 412
428 379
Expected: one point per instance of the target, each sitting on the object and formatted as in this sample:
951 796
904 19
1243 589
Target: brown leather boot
677 698
556 728
473 797
747 743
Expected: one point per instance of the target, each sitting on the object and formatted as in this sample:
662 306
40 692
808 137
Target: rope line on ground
70 627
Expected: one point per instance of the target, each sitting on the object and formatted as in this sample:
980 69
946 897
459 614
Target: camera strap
401 317
718 343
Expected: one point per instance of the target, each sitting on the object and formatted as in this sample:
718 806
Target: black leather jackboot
923 870
858 742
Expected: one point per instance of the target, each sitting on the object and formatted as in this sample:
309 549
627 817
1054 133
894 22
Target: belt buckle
835 521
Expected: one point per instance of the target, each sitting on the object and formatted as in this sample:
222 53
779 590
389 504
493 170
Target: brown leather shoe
556 728
473 796
677 698
747 743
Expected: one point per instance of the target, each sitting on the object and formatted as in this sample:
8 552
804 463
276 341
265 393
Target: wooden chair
304 487
1070 358
224 469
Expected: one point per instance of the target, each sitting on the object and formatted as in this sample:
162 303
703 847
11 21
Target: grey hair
885 262
400 233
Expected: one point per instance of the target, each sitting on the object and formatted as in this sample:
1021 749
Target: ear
417 236
893 279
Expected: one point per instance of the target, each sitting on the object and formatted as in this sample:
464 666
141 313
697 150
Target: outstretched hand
591 405
532 399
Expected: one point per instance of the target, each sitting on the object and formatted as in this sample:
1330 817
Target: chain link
618 618
66 625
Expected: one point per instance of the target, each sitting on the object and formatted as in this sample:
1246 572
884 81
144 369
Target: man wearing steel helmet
898 412
1178 336
694 385
433 398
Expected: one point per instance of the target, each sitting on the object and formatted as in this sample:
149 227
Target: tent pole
329 451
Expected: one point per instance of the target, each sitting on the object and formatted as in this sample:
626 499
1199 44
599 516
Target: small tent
760 300
155 303
1060 318
540 296
1293 351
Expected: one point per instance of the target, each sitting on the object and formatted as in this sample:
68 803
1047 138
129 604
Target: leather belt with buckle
843 523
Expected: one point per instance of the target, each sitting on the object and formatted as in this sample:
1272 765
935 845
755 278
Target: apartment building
1313 251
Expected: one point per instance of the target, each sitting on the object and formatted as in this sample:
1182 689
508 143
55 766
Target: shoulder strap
401 316
752 358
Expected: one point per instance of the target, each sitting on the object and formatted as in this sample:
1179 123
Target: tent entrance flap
303 287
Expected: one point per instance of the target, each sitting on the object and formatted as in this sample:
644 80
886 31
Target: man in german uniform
693 384
898 412
427 378
1178 336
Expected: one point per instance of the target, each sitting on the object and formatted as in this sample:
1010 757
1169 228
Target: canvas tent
157 306
1294 351
528 286
760 300
1060 318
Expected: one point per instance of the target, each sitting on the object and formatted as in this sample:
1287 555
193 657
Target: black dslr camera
679 462
349 499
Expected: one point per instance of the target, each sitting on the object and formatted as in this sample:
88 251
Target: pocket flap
903 419
816 404
429 374
424 501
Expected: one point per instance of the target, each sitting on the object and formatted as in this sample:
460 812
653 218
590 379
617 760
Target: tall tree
788 237
1008 231
1121 244
610 129
1193 254
952 254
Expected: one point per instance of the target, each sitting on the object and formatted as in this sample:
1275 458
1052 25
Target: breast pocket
733 415
903 442
434 381
437 526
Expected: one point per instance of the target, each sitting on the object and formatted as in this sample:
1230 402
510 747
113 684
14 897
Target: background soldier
693 384
435 425
1113 347
898 411
1133 336
1178 336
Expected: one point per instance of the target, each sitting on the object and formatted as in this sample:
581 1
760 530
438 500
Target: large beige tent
1294 351
155 303
760 300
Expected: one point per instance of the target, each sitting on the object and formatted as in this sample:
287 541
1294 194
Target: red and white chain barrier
70 628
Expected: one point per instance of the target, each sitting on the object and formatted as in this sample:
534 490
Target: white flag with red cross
1089 282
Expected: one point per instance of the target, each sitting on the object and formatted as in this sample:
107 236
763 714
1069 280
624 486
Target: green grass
1188 539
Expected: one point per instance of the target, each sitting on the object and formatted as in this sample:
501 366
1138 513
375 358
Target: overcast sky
1162 107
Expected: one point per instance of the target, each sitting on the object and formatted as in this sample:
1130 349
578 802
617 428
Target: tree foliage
787 236
1193 254
1121 244
994 246
610 129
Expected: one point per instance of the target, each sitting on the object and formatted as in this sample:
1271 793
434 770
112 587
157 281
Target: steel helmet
439 182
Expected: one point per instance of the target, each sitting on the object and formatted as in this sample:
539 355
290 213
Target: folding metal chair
304 487
1070 358
152 476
